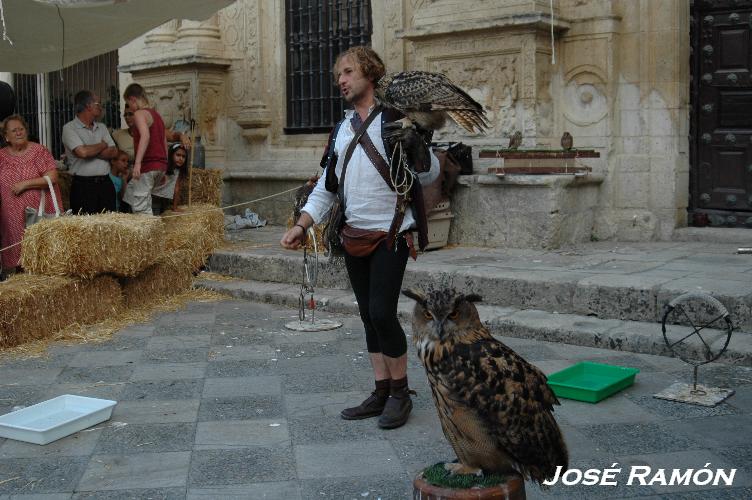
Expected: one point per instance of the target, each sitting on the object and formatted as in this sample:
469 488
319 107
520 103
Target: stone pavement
600 294
219 400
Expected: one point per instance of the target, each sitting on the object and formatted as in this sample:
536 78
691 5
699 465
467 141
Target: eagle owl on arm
494 407
429 99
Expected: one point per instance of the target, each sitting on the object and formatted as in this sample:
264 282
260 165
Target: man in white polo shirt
89 147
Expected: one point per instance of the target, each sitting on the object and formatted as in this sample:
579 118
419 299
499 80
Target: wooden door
721 131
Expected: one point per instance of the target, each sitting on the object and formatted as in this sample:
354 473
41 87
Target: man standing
372 208
89 147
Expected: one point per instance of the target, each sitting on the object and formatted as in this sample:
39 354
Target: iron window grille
45 100
317 31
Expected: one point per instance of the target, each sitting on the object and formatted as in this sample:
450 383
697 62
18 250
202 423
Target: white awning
38 36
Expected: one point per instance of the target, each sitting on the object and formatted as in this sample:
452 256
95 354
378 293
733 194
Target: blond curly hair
366 59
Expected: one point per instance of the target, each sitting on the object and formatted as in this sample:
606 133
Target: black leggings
376 281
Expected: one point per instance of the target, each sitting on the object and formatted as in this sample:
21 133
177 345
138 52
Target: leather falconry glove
414 141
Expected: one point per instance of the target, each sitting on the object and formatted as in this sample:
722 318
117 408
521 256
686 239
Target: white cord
5 30
312 270
402 178
553 47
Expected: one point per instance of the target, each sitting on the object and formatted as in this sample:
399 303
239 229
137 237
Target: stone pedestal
524 211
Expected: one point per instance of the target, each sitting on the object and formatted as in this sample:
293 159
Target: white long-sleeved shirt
369 203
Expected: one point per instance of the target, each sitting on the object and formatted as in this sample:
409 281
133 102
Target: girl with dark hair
166 195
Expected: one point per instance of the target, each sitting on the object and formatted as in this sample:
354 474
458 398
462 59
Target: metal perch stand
310 277
699 312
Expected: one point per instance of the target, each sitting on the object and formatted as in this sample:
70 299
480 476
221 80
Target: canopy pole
5 29
190 161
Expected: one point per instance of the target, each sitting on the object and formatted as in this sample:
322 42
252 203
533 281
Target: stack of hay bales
35 307
197 229
206 187
88 245
85 269
190 237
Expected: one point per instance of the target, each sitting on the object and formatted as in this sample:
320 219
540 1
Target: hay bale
64 181
198 229
206 187
171 275
88 245
36 307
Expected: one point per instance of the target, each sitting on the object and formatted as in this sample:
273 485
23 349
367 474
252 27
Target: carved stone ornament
210 106
585 102
492 81
170 101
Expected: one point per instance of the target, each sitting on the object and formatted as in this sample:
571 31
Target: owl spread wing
430 92
511 398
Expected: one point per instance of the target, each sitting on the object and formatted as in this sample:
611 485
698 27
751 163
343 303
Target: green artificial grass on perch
437 475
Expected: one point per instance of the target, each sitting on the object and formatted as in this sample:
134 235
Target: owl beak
438 329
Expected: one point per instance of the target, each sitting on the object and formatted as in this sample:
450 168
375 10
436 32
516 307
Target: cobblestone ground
219 400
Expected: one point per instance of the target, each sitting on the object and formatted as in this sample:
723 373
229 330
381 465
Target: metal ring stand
692 309
310 277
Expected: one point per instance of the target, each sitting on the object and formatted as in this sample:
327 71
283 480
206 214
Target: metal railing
45 100
317 31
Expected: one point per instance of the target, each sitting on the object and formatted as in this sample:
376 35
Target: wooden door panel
734 110
721 178
733 49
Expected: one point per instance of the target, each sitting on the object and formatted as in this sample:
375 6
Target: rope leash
183 215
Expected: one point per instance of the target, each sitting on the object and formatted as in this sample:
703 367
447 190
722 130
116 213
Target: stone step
625 289
618 335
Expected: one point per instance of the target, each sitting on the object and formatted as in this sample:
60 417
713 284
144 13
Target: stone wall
619 84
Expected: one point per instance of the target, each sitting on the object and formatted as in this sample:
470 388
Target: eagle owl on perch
494 407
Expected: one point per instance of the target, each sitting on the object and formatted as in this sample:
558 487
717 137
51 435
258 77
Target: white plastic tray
56 418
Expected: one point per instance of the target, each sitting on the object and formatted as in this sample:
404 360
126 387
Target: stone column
167 33
208 29
247 27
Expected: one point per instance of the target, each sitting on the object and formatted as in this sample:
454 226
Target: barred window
317 31
45 100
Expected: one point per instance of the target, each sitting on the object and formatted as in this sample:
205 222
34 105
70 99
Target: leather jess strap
416 195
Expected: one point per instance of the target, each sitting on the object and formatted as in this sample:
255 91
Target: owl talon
397 129
462 469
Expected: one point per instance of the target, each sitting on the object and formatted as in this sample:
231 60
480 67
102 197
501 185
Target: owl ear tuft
473 297
414 294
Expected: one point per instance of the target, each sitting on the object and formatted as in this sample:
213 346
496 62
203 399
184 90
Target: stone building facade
614 73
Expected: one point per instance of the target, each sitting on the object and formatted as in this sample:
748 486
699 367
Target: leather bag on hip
360 242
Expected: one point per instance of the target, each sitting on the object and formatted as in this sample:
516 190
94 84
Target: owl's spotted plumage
495 408
429 98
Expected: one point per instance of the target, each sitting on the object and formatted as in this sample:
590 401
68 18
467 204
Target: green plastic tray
591 382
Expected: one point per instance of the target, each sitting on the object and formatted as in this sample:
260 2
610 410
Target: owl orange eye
427 315
453 315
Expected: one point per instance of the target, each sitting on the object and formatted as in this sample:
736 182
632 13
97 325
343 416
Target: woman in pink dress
22 167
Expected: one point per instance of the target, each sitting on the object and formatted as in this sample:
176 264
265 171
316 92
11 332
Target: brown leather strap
360 129
383 169
378 161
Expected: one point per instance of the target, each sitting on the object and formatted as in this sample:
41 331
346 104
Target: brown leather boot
398 406
373 404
